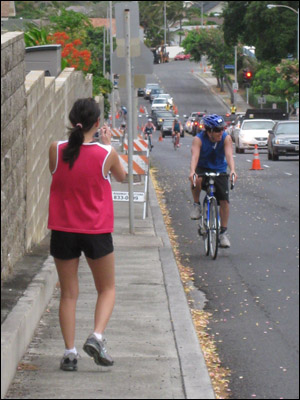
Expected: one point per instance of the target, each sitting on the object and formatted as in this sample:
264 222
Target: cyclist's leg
150 141
224 213
178 138
222 190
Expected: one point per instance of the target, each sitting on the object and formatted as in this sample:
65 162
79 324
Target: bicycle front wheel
205 226
213 231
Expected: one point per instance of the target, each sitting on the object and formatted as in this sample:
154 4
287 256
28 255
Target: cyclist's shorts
221 184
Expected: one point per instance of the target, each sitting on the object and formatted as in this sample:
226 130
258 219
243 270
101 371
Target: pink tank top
81 197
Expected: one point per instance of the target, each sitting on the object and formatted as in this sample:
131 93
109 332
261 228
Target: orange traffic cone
256 162
160 139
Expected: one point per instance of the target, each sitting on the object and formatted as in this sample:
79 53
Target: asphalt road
252 289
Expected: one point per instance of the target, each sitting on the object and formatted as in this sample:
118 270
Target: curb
194 373
203 80
18 328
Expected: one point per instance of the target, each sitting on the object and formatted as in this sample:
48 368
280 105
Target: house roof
98 22
8 9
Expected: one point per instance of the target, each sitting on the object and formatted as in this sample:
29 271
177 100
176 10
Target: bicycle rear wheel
213 229
205 227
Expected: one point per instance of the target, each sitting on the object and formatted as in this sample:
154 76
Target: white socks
74 351
98 335
69 351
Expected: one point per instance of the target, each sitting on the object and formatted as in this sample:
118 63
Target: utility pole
104 44
165 23
235 74
111 69
129 118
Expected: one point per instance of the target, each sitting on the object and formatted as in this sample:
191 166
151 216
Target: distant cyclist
176 130
124 112
212 152
149 128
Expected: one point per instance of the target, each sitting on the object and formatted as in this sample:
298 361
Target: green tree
272 32
281 80
71 22
210 42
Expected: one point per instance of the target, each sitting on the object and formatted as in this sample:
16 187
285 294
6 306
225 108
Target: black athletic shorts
221 184
68 245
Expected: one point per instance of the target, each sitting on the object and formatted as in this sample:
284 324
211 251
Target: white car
252 132
166 96
159 104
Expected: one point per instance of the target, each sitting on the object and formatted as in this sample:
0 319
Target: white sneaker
196 211
224 240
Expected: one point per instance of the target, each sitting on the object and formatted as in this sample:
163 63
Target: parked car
155 93
159 104
235 124
148 88
158 117
252 132
141 92
181 56
283 140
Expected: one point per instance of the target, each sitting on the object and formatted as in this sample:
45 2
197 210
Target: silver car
252 132
283 140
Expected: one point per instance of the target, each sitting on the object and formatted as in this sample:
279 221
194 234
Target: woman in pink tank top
81 219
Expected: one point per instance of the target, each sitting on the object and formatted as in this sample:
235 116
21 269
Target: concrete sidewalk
210 81
151 335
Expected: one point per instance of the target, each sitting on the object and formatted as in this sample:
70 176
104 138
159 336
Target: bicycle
147 135
175 139
209 225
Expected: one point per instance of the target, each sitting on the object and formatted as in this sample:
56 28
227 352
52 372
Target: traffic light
247 76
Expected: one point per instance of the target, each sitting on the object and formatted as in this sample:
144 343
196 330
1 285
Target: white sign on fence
138 197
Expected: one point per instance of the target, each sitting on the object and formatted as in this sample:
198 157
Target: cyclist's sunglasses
218 130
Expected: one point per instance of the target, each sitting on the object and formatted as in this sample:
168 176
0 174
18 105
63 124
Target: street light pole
111 67
295 11
165 23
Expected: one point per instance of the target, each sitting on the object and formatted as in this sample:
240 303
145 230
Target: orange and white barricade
116 134
140 146
140 166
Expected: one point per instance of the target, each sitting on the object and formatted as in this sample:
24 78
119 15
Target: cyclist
176 129
148 129
212 152
124 112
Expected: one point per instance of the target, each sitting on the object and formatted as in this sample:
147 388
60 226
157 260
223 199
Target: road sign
139 81
229 66
235 86
133 8
140 65
134 28
262 100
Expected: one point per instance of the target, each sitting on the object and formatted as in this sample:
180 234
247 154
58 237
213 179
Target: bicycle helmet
213 121
149 119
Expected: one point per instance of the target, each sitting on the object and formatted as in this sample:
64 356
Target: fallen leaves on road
217 373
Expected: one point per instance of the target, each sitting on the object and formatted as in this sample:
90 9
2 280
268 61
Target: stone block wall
13 150
34 112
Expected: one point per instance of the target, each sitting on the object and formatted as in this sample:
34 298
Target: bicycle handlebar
213 174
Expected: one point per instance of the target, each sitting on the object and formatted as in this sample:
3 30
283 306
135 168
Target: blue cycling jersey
176 127
212 155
